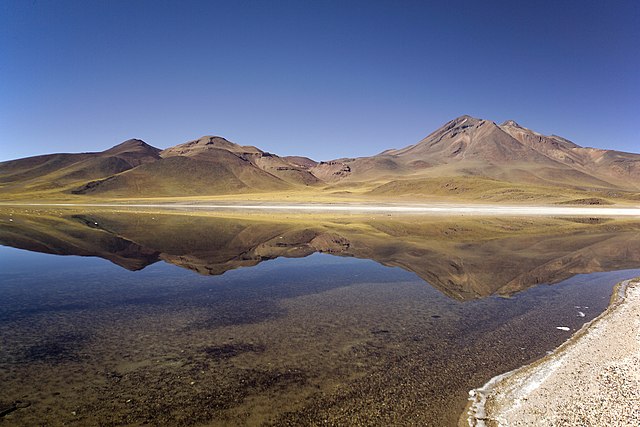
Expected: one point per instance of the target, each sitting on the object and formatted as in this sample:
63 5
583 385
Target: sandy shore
592 380
435 208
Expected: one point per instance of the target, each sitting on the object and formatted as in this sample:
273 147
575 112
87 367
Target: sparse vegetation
466 160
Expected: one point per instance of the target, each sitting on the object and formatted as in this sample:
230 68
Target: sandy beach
435 208
592 380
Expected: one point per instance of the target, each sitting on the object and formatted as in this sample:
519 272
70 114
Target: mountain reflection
465 258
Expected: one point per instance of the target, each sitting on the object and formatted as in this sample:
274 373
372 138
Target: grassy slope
218 185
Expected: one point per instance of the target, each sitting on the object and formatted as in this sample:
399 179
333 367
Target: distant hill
466 158
207 166
56 172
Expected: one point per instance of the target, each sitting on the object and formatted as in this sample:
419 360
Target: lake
169 317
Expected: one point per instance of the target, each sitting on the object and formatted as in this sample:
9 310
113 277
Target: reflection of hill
72 235
464 258
247 253
603 252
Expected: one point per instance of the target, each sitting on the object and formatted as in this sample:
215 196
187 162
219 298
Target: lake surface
171 318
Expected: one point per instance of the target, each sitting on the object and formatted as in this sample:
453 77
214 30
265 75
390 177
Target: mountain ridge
464 149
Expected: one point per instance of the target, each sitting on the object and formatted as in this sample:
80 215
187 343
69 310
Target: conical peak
465 119
511 123
461 123
134 142
131 145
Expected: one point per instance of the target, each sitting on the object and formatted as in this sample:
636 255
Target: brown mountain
206 166
469 147
467 158
616 168
56 172
293 170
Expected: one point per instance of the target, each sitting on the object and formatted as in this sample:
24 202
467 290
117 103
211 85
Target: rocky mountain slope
466 157
472 147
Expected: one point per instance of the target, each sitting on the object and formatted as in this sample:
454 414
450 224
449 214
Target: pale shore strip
591 380
436 208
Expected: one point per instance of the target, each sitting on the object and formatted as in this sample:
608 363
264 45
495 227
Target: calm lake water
168 318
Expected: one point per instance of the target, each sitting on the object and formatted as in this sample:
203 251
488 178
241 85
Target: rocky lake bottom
314 340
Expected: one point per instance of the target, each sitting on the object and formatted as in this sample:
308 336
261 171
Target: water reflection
465 258
307 338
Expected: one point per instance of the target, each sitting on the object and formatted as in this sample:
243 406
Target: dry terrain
467 159
593 380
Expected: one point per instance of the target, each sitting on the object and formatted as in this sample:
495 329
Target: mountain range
467 158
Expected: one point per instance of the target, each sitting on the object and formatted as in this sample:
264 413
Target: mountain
467 158
469 147
206 166
613 167
293 170
56 172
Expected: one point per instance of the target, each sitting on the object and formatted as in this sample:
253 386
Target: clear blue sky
325 79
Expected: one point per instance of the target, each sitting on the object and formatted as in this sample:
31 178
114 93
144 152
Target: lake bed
172 319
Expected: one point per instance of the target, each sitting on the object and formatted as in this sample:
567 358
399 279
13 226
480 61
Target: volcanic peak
132 145
511 123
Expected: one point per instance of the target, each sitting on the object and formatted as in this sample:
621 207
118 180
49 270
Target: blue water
289 341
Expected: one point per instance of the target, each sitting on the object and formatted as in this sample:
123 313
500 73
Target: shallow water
305 326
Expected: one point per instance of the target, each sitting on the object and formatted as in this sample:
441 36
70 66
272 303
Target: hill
54 173
467 158
210 165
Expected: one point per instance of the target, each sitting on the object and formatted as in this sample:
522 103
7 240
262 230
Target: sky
325 79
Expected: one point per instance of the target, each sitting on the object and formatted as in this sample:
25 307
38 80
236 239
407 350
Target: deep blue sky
320 78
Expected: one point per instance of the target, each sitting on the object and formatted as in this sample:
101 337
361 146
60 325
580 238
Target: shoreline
579 383
430 209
